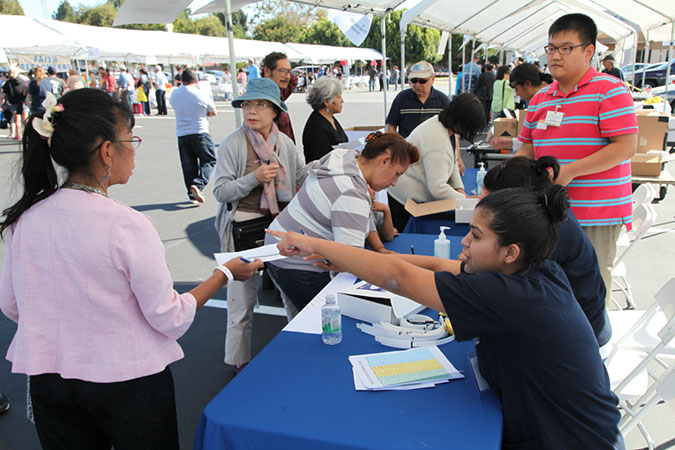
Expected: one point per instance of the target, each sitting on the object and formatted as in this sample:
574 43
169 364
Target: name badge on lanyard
554 118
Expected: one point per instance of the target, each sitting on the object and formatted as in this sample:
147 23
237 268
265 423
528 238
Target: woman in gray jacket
257 172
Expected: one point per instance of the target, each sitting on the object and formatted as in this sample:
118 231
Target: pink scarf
268 152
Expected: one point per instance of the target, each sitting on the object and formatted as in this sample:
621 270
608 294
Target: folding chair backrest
644 193
666 299
644 217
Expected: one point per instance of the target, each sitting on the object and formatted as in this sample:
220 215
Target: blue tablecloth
298 393
432 223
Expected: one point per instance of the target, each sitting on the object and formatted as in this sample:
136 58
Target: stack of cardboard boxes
650 156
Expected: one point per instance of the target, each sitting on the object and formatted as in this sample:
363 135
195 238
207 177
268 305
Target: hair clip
45 125
372 137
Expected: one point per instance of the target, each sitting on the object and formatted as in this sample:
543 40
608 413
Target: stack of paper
402 370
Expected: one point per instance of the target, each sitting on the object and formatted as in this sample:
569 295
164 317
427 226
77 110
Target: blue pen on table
247 261
325 261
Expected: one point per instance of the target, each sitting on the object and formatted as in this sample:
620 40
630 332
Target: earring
106 177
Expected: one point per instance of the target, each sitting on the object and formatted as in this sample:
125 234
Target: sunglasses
419 80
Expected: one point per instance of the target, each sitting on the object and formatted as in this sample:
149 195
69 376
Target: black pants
197 158
160 95
134 414
399 216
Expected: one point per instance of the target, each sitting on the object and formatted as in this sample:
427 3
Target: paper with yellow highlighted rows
407 369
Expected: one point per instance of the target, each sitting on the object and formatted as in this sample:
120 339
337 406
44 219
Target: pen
245 260
412 250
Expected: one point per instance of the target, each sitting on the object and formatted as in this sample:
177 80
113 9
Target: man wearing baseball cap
414 105
58 85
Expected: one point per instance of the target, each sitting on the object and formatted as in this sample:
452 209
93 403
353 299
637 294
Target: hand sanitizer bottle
479 178
442 245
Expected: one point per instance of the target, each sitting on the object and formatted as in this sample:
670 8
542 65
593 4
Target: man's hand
241 270
501 142
266 172
292 243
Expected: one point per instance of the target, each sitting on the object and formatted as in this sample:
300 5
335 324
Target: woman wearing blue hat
256 176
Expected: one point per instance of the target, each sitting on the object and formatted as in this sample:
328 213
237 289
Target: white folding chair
642 195
644 217
641 365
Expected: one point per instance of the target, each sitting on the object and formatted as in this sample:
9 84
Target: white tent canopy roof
325 54
24 35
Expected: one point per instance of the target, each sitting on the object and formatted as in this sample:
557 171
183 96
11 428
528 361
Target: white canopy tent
23 35
326 54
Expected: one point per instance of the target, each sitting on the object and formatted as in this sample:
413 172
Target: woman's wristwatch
227 273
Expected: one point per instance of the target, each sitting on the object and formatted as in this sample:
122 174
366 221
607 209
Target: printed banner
62 63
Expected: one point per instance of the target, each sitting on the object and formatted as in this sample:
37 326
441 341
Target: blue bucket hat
261 89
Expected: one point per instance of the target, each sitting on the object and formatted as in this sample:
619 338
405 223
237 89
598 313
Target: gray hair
325 88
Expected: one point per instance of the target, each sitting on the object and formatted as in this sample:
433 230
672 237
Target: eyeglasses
419 80
513 84
564 50
257 106
284 72
135 141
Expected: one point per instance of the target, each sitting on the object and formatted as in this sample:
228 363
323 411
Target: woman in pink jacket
85 279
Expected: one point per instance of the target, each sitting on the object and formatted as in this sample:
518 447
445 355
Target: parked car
206 76
661 92
628 69
219 74
655 75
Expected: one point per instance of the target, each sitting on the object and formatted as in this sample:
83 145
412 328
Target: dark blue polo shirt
407 111
538 352
575 254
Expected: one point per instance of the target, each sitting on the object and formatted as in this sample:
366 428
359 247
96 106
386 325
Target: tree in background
65 13
325 32
99 16
239 23
11 7
420 43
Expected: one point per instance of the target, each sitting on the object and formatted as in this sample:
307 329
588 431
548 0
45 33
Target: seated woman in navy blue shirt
573 252
535 346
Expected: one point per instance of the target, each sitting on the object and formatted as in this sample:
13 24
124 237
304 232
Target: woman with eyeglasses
334 203
86 280
322 129
437 175
257 172
502 93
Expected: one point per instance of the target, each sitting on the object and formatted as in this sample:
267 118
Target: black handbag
250 233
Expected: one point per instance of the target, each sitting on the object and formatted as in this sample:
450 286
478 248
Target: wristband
227 273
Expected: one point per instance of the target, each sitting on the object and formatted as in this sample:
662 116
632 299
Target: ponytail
37 172
521 172
527 218
88 118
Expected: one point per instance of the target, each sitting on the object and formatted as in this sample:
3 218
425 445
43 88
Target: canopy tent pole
233 63
450 65
632 85
645 60
461 86
383 29
670 57
501 57
473 44
403 71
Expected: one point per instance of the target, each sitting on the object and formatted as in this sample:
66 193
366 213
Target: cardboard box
506 127
366 128
375 308
646 165
653 128
464 208
522 113
424 209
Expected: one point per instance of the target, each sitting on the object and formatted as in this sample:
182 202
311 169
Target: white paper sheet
309 319
265 253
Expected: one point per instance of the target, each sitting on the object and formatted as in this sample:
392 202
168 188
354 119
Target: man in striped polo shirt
413 106
587 121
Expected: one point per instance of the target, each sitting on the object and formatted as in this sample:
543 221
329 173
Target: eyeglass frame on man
135 141
283 71
419 80
260 105
559 49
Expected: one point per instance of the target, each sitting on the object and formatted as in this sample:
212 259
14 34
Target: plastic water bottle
331 321
479 178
